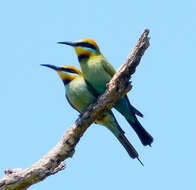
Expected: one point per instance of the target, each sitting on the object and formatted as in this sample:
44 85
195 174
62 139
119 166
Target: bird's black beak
73 44
52 67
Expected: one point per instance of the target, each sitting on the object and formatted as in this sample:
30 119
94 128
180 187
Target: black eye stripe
69 70
86 44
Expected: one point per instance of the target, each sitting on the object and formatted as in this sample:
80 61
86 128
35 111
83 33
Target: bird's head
67 73
84 48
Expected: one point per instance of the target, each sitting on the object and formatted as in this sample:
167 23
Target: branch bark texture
52 162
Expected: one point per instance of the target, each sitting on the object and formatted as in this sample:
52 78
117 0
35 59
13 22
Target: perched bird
97 71
80 95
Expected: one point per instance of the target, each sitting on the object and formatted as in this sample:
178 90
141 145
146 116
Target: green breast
79 94
95 74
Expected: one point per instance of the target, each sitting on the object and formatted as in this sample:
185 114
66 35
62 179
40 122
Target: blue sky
35 114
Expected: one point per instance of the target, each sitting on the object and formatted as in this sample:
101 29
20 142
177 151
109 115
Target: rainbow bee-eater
80 95
97 71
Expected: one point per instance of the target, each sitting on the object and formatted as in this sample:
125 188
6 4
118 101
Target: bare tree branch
52 162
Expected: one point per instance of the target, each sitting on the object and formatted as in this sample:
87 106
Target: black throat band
82 57
66 81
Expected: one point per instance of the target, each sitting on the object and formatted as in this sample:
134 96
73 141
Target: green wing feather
111 71
108 68
92 90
